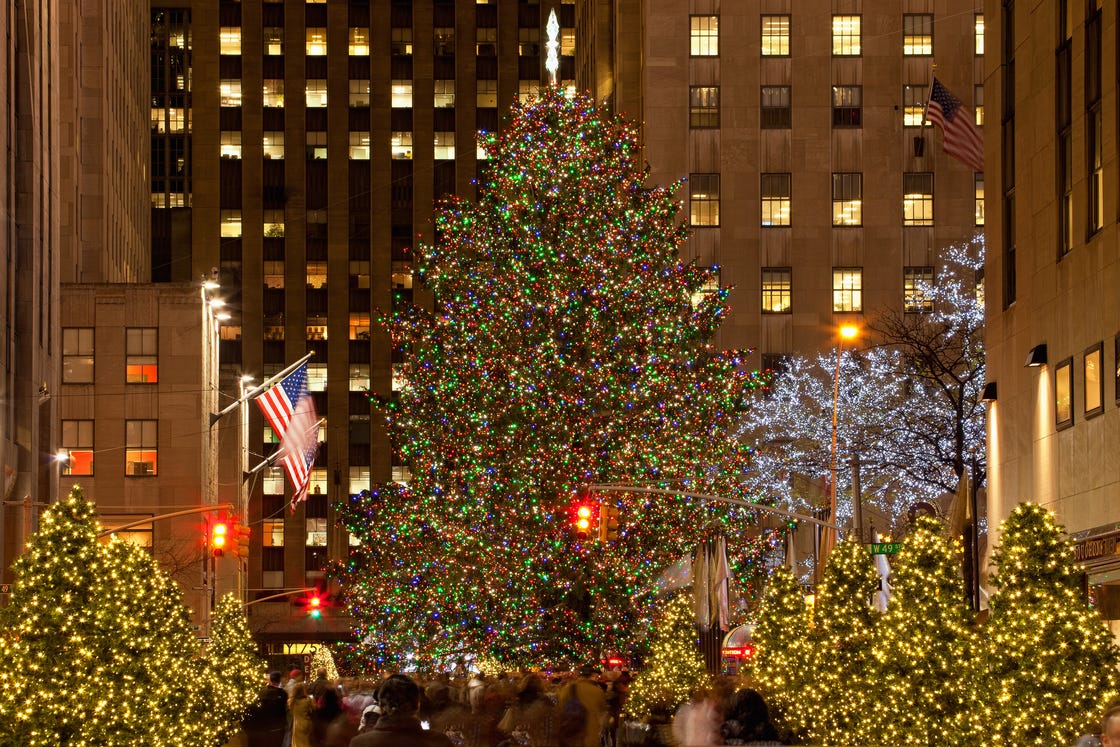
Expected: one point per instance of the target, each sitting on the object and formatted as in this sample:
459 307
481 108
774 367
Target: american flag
960 137
290 410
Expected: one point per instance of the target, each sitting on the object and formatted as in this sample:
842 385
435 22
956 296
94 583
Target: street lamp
846 332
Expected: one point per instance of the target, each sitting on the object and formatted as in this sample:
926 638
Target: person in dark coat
267 719
399 700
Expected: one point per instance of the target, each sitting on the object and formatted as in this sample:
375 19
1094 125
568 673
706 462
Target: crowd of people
524 709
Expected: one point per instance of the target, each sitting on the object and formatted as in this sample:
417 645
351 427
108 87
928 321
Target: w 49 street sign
885 548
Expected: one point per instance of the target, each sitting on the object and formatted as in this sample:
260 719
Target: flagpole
257 390
925 109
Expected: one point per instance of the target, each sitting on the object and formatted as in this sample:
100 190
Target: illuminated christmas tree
233 671
844 629
1052 663
105 649
570 344
322 659
783 661
673 667
920 692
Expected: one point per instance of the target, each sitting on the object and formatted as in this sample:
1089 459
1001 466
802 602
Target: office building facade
1053 325
796 127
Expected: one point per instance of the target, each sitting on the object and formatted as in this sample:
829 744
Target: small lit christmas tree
105 649
844 626
232 671
1052 663
322 659
920 690
673 669
782 665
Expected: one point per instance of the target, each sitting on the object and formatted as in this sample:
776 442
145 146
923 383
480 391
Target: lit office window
917 199
1094 379
229 92
77 444
273 273
359 41
231 224
231 144
229 40
704 199
775 36
486 94
316 275
359 481
273 223
567 41
359 377
273 41
401 144
316 377
359 325
140 447
401 94
979 176
77 355
316 42
917 290
401 41
528 91
359 92
846 36
273 144
979 34
704 36
978 104
703 107
847 199
777 290
1063 393
486 41
316 93
359 146
444 93
913 105
847 289
776 199
917 34
272 481
444 146
273 92
141 363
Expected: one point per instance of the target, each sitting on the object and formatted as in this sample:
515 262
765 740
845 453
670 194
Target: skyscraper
298 148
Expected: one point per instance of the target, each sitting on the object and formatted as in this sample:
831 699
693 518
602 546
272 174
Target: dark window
847 106
776 112
703 107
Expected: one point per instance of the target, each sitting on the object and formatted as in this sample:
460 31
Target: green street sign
885 548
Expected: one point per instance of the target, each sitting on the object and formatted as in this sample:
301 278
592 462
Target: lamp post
846 332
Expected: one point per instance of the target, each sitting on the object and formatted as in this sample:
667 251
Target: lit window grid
273 38
401 94
229 40
917 35
528 91
847 289
359 92
272 93
443 146
229 92
400 39
316 45
359 377
776 200
272 143
359 41
979 199
704 36
315 93
141 355
444 94
914 104
703 103
401 145
230 145
775 35
847 36
141 443
359 146
847 199
77 443
917 199
917 286
777 290
978 34
704 199
173 119
316 275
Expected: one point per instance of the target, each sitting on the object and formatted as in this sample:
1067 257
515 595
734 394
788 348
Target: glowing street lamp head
849 331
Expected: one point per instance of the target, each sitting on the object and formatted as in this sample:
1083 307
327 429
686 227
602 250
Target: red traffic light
218 534
315 606
585 523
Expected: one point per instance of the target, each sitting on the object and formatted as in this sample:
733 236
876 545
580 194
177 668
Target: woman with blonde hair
300 708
